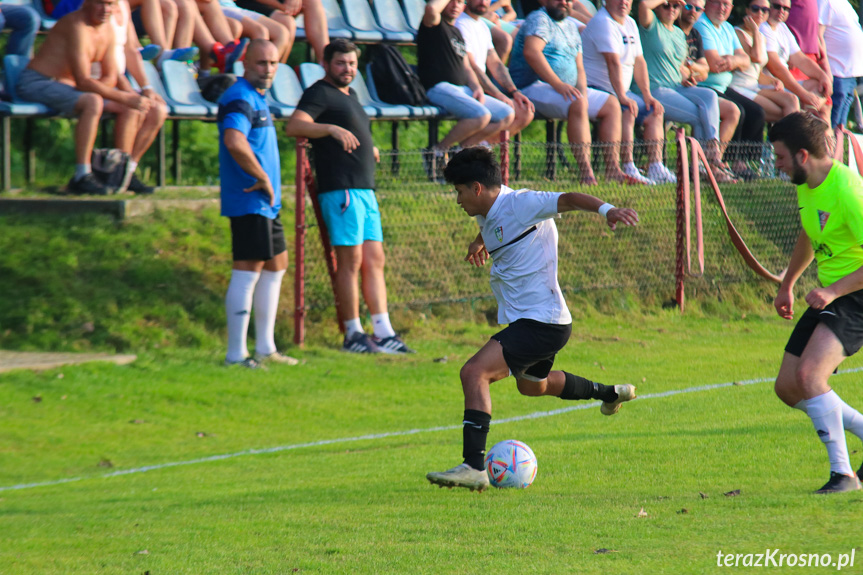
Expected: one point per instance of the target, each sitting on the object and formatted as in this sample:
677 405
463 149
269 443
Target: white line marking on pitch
535 415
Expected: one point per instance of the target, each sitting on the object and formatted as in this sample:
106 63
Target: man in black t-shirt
450 82
331 116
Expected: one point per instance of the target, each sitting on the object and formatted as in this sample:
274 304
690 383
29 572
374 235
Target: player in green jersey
830 196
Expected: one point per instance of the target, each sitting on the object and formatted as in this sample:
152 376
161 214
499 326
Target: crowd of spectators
677 61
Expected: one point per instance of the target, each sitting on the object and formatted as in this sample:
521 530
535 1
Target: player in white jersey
517 231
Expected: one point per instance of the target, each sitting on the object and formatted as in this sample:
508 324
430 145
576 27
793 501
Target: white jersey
604 35
477 38
524 271
843 37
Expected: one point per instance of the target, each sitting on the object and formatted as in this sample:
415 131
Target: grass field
343 489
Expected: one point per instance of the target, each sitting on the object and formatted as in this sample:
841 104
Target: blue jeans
698 107
24 22
843 97
458 101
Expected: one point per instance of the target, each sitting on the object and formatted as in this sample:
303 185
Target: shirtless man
60 77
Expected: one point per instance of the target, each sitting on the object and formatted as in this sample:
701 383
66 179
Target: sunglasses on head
760 8
693 7
780 7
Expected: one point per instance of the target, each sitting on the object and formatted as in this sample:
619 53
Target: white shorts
551 104
240 13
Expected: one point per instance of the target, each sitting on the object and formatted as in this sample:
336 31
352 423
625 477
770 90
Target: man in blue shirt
249 170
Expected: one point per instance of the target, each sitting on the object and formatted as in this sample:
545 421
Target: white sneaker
276 357
460 476
625 392
660 174
635 175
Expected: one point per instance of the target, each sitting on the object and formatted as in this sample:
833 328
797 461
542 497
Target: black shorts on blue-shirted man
530 346
843 316
256 237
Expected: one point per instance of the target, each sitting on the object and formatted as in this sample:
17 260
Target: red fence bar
504 157
682 190
300 245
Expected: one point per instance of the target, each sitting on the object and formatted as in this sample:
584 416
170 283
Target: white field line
535 415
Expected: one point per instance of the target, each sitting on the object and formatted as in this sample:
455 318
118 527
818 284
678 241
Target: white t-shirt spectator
524 272
843 37
781 40
603 35
477 38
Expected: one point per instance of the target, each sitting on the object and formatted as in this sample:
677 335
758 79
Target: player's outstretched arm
476 252
577 201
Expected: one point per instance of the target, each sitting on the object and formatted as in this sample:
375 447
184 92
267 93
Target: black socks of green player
474 433
576 387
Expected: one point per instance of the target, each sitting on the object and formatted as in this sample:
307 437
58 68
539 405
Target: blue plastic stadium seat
13 65
414 10
383 110
277 109
418 112
182 87
392 19
338 28
174 107
359 16
287 89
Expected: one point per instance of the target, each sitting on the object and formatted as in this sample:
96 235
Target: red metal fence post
300 245
504 157
682 188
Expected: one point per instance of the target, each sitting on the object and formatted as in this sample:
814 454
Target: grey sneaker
360 343
625 392
460 476
249 362
276 357
392 344
840 483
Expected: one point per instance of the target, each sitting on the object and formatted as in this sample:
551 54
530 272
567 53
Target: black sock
474 433
576 387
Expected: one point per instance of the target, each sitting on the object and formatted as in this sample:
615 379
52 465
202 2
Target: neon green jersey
832 217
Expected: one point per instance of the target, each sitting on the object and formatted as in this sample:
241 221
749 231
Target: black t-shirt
696 46
337 169
440 55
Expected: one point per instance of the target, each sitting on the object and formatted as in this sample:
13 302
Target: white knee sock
852 420
826 413
266 305
382 325
353 326
238 308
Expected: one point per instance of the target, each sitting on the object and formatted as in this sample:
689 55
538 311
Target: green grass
365 507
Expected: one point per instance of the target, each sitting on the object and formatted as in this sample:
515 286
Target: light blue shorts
352 216
458 101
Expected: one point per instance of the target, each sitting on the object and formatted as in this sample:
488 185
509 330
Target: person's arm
476 252
80 65
432 14
823 62
472 81
533 46
646 17
801 257
813 70
615 76
699 69
485 82
302 125
642 80
508 11
577 201
579 12
754 50
239 148
780 71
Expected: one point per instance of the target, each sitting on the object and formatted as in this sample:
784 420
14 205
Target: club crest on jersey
822 218
498 233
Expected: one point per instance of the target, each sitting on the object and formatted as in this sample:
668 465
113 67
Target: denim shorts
843 97
352 216
458 101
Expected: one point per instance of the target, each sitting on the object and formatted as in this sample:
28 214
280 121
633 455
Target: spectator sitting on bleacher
500 18
59 76
547 66
257 26
285 12
843 37
24 22
671 80
483 59
612 58
450 82
802 21
752 82
783 52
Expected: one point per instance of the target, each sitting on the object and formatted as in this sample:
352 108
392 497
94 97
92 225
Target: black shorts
843 316
257 237
256 7
529 347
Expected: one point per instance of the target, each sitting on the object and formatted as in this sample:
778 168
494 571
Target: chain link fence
426 233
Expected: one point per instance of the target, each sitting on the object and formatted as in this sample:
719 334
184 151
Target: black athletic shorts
257 237
258 7
529 347
843 316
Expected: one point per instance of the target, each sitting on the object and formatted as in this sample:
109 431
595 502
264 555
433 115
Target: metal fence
426 234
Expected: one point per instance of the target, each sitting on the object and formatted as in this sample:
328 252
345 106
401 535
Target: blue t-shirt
725 41
244 109
562 46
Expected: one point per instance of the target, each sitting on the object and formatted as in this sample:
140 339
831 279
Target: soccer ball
510 463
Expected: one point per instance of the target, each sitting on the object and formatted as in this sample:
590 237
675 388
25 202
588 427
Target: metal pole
300 245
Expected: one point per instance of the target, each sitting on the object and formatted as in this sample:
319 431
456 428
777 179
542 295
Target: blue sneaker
360 343
149 52
393 344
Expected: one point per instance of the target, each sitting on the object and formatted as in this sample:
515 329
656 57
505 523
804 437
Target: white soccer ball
510 463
